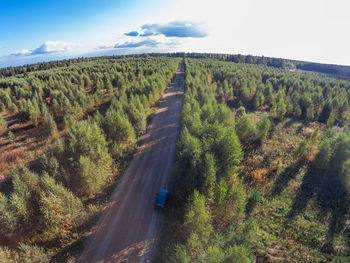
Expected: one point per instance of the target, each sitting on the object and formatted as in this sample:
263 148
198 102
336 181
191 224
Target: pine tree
245 127
7 217
279 108
259 99
2 107
209 176
51 124
197 227
229 204
119 129
60 209
301 151
310 112
324 154
3 124
86 152
263 126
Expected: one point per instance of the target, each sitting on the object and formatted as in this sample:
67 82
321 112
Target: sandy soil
129 228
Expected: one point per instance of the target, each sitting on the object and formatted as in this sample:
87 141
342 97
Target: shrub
253 199
32 254
259 174
8 256
341 260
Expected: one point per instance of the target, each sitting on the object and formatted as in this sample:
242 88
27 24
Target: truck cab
161 198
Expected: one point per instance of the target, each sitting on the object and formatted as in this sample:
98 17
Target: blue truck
161 198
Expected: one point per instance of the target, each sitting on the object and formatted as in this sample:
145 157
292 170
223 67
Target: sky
309 30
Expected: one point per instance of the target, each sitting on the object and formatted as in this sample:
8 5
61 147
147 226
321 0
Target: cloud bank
46 48
175 29
166 35
143 43
150 43
181 29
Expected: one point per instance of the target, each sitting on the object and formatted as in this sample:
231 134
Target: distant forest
339 71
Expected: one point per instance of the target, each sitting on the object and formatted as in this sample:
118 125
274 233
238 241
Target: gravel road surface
129 227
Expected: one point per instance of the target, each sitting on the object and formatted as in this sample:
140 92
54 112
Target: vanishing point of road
129 227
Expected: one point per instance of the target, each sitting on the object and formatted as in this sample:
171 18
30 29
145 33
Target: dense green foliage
262 169
287 176
284 93
205 176
334 70
101 106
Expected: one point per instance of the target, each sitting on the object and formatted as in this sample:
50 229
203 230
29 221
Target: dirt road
128 229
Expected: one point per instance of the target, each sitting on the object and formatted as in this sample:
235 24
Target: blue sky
312 30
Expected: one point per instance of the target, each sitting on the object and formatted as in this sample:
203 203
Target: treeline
248 59
12 71
331 69
283 93
214 223
48 206
335 70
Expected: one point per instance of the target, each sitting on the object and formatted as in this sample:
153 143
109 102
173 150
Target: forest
338 71
262 168
261 174
68 130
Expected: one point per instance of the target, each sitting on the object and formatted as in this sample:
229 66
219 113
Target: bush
32 254
240 253
8 256
12 155
341 260
253 199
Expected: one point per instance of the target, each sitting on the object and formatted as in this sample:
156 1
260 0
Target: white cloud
54 46
47 47
23 52
157 41
104 47
180 29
